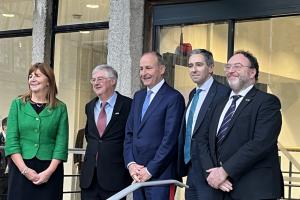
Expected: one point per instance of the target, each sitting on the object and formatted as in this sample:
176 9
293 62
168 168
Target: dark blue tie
146 103
226 121
189 124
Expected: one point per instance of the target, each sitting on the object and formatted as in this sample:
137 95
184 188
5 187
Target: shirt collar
242 92
157 86
111 101
207 84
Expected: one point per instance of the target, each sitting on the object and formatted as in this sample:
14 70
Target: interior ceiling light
84 32
7 15
92 6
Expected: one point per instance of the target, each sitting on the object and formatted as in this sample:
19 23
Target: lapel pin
247 99
117 113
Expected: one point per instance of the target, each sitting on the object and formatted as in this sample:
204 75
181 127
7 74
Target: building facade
75 36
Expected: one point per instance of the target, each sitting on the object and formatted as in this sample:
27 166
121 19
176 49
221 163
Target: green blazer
43 135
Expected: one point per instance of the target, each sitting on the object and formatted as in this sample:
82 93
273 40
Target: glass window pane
16 14
275 42
76 54
212 37
15 60
82 11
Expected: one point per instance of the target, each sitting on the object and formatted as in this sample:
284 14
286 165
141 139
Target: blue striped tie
189 124
225 123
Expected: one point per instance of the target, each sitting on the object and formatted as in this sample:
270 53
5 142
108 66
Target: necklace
38 104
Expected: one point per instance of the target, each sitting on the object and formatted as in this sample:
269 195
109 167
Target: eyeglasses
235 66
98 79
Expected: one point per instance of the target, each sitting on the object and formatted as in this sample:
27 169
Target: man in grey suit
202 99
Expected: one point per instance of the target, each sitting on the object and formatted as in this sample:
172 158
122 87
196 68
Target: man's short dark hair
208 56
252 59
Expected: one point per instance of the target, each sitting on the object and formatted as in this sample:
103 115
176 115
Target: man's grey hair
208 56
111 72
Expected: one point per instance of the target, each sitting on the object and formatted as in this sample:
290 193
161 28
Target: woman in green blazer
37 139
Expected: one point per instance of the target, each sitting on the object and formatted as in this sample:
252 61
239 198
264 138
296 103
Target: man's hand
216 176
134 170
226 186
144 175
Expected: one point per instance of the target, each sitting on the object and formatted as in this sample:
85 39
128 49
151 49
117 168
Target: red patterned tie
101 123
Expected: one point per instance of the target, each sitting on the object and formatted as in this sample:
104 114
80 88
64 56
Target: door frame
160 13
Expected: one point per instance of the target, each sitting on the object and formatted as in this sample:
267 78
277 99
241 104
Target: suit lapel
115 114
29 110
140 107
91 114
246 100
154 104
213 133
207 101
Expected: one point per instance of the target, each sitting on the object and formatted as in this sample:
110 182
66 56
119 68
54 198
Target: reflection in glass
16 14
15 60
212 37
82 11
76 54
275 42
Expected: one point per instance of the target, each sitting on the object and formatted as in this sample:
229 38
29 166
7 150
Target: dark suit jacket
111 173
216 93
249 153
152 142
3 159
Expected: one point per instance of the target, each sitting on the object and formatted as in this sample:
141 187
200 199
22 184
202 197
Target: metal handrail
135 186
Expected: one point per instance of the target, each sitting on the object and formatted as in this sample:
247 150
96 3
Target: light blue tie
146 103
188 130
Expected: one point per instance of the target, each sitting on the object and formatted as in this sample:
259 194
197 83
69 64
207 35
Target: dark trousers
152 193
226 196
96 192
199 188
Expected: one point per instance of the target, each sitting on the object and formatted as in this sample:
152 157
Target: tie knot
235 97
149 92
103 104
198 91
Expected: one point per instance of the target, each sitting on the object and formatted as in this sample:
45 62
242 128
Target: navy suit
152 141
200 190
249 152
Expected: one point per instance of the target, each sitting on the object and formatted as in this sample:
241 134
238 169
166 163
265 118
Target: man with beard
242 158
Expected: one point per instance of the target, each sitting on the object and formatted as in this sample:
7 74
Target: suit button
36 145
37 119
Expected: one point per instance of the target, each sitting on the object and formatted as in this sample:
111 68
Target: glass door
176 41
